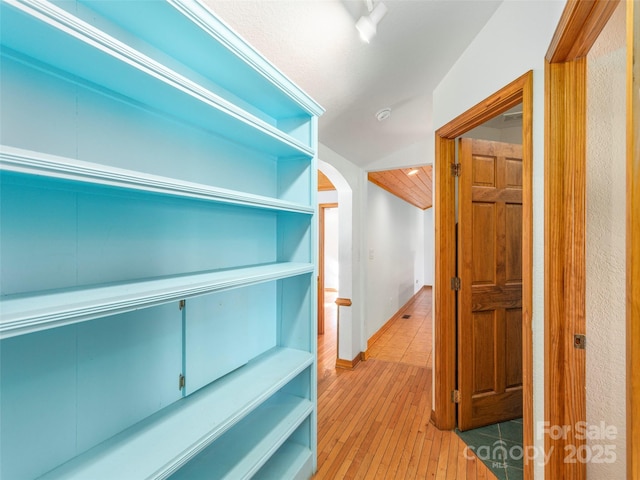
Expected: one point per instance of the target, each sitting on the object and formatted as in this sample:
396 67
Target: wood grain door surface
490 271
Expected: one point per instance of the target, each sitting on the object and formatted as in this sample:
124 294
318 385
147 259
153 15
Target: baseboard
348 364
392 320
380 331
432 418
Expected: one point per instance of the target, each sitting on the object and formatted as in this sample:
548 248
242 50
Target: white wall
395 259
328 196
429 246
331 249
605 244
513 42
419 153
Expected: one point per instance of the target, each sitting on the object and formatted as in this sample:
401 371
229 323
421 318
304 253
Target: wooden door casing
490 270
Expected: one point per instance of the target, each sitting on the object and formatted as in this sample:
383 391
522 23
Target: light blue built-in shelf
160 445
240 453
24 314
52 166
188 30
151 155
292 460
74 48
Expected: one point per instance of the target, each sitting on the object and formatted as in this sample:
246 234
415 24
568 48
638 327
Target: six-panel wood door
490 271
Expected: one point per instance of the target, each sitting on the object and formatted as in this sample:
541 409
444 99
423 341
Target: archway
345 255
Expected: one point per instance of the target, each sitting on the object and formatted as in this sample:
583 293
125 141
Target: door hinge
182 304
455 169
181 382
455 396
455 283
580 341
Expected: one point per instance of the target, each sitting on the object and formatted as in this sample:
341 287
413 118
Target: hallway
373 421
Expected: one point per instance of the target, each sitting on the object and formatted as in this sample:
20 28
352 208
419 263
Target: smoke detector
382 115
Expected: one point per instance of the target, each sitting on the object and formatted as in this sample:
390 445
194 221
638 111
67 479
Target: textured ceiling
315 43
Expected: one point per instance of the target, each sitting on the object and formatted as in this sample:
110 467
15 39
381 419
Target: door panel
483 351
484 248
513 326
513 243
490 269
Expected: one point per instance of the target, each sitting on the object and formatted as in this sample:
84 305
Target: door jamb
520 90
633 240
565 226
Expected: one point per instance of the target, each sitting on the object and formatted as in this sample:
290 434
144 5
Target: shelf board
51 166
292 461
23 314
104 61
160 445
240 452
189 31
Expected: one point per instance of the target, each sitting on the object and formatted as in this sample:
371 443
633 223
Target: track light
367 24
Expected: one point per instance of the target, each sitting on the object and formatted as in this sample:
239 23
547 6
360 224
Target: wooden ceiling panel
415 188
324 184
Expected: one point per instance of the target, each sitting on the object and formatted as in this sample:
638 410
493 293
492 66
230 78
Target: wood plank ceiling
413 185
324 184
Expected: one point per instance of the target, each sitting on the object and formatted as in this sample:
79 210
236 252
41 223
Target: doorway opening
335 190
519 92
489 309
328 284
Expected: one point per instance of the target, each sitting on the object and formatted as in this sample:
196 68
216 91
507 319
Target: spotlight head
366 28
367 24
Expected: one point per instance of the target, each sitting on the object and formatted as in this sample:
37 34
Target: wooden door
490 271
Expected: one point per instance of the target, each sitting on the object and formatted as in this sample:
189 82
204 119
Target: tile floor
499 446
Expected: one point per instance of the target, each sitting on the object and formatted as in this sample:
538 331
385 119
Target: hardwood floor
373 421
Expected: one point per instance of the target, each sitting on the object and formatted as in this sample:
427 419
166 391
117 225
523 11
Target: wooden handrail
343 302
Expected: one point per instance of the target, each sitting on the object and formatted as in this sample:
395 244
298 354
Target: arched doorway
345 249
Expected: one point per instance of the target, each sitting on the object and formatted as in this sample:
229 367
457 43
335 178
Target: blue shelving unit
157 242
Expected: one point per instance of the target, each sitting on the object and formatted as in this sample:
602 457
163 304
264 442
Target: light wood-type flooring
373 421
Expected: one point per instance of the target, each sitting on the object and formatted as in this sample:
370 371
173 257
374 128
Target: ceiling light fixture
367 24
413 171
383 114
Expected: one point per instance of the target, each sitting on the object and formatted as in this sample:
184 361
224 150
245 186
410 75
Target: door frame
444 414
565 230
633 240
321 213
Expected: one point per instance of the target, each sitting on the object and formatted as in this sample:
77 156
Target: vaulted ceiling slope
316 44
